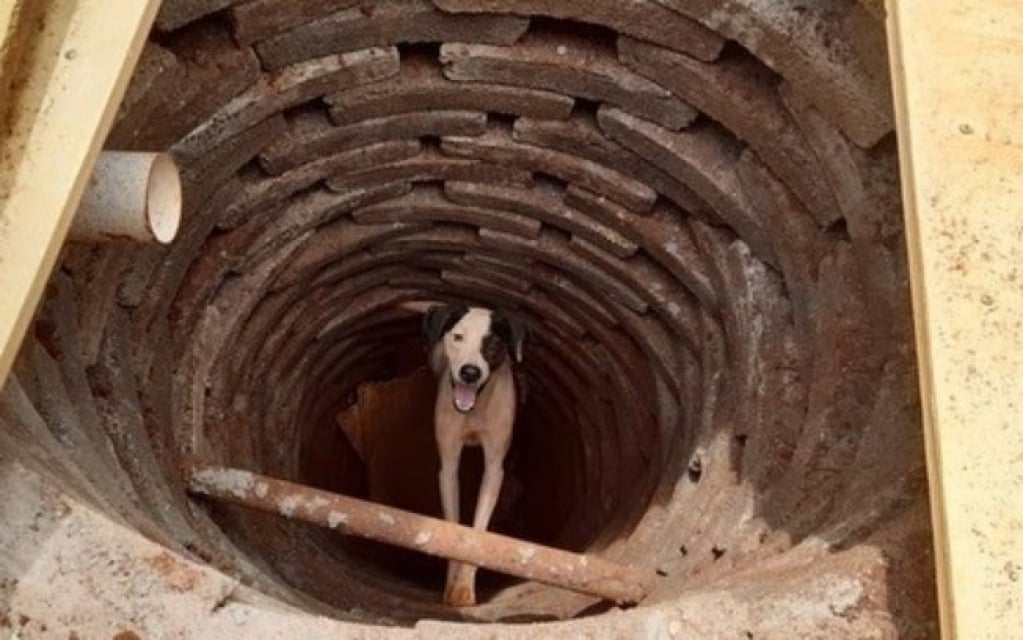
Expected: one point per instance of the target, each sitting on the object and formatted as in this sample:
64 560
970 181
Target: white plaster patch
386 518
335 518
318 502
525 553
234 482
423 537
288 505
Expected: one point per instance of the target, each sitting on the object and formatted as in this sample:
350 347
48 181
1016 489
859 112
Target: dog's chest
485 419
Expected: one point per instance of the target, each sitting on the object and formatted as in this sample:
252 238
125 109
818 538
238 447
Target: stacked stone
694 203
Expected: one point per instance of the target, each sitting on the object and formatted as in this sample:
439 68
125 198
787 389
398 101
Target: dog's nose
469 373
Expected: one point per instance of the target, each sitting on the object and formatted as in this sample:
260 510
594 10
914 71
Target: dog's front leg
455 592
490 488
462 580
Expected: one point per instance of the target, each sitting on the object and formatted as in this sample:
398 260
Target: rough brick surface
311 134
420 86
663 235
498 147
429 166
255 20
382 23
286 88
201 177
568 64
735 92
704 159
208 70
833 51
544 204
549 249
260 193
580 136
642 19
428 204
177 13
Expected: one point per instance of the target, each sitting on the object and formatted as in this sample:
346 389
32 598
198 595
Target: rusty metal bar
351 516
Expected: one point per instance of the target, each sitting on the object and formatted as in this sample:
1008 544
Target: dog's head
467 344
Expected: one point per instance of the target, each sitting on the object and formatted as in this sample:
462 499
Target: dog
472 352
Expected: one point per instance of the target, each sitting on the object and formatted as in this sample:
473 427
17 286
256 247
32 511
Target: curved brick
573 65
201 177
311 134
797 241
867 193
496 146
384 22
286 88
429 166
332 242
542 203
581 137
677 307
771 395
704 159
420 86
658 345
208 71
736 92
428 204
177 13
156 67
548 249
472 277
663 235
260 192
834 52
642 19
311 210
550 280
255 20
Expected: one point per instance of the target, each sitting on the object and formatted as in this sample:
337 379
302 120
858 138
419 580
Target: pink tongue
465 397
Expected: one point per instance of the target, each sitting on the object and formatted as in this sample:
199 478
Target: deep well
694 203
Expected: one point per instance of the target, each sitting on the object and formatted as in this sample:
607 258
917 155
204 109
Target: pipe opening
163 199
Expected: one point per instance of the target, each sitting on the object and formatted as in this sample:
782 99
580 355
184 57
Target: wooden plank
72 74
957 68
584 573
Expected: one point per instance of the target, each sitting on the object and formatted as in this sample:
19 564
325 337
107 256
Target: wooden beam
957 69
584 573
74 60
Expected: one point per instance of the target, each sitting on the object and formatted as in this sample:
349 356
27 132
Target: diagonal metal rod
583 573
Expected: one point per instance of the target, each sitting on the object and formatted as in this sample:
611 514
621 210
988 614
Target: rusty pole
351 516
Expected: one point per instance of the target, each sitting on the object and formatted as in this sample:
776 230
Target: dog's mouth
464 395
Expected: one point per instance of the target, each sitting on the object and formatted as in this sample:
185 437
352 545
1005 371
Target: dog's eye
457 337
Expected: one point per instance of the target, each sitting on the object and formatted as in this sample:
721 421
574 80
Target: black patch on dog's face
494 350
439 319
510 331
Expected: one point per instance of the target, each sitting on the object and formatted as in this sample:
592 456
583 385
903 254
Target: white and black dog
471 352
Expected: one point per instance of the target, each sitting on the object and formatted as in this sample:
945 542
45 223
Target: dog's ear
439 319
511 330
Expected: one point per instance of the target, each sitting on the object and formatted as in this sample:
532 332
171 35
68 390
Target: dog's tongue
465 397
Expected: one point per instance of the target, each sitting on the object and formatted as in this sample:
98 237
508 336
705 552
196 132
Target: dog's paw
460 595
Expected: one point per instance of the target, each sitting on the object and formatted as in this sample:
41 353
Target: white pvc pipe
131 195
